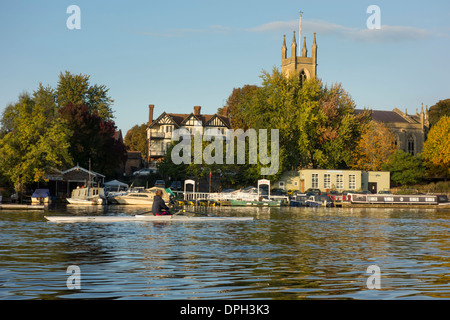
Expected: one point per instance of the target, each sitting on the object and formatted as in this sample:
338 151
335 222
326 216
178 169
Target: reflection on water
285 253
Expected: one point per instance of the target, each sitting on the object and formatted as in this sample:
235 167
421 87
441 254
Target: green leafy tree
168 169
77 90
136 139
317 123
405 168
32 144
436 150
237 104
440 109
232 174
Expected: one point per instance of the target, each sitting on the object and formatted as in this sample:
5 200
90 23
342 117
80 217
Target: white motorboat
135 198
87 196
141 197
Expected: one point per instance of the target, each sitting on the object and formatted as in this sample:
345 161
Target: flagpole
300 30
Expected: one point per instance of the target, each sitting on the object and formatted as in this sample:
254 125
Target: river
285 253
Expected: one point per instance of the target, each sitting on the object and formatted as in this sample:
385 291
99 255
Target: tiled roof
385 116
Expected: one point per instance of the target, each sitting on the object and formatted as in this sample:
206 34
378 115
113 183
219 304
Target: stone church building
410 129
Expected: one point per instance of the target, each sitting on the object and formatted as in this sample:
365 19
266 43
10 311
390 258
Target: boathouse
61 183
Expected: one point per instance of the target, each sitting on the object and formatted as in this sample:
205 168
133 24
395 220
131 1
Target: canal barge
398 199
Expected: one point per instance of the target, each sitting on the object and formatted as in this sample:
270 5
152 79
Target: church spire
304 50
294 47
284 48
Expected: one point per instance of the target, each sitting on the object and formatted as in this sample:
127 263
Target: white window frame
315 181
339 181
352 181
327 180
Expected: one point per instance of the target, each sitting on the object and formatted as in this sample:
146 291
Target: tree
316 123
92 138
237 103
436 150
77 90
376 146
32 144
136 139
405 168
440 109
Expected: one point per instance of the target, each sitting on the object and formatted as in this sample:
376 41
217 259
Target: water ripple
285 253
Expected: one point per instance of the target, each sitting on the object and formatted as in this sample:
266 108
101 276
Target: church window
302 77
411 145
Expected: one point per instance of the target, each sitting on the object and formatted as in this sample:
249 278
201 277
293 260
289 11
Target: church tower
303 66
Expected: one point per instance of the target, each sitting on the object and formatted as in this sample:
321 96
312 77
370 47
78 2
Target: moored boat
141 197
319 201
398 199
41 196
87 196
261 203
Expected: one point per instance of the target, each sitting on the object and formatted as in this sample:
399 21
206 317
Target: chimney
150 113
225 112
197 110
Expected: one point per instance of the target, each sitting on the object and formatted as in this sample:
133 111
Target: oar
176 212
194 212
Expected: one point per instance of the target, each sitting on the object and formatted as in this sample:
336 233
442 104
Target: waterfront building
340 180
61 183
159 130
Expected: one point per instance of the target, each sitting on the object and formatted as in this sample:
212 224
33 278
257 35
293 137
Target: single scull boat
142 218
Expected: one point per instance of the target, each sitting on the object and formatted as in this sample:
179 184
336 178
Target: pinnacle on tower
304 50
294 47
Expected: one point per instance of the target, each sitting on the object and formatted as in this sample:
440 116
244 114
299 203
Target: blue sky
177 54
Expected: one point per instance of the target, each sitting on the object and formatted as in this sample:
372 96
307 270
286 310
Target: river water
283 254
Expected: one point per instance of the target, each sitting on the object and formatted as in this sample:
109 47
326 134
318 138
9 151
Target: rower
159 208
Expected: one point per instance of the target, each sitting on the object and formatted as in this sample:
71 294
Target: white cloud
385 34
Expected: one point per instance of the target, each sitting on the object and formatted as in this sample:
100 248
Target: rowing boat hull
141 218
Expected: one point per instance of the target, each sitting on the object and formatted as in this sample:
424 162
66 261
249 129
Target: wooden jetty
14 206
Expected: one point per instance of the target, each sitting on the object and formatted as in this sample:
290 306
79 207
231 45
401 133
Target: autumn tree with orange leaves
436 150
376 146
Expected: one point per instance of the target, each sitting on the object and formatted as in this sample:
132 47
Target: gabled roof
225 120
179 119
188 117
78 168
162 116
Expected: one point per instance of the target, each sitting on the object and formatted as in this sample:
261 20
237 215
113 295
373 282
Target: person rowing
159 208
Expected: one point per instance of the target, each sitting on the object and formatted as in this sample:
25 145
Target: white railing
227 196
277 198
196 195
